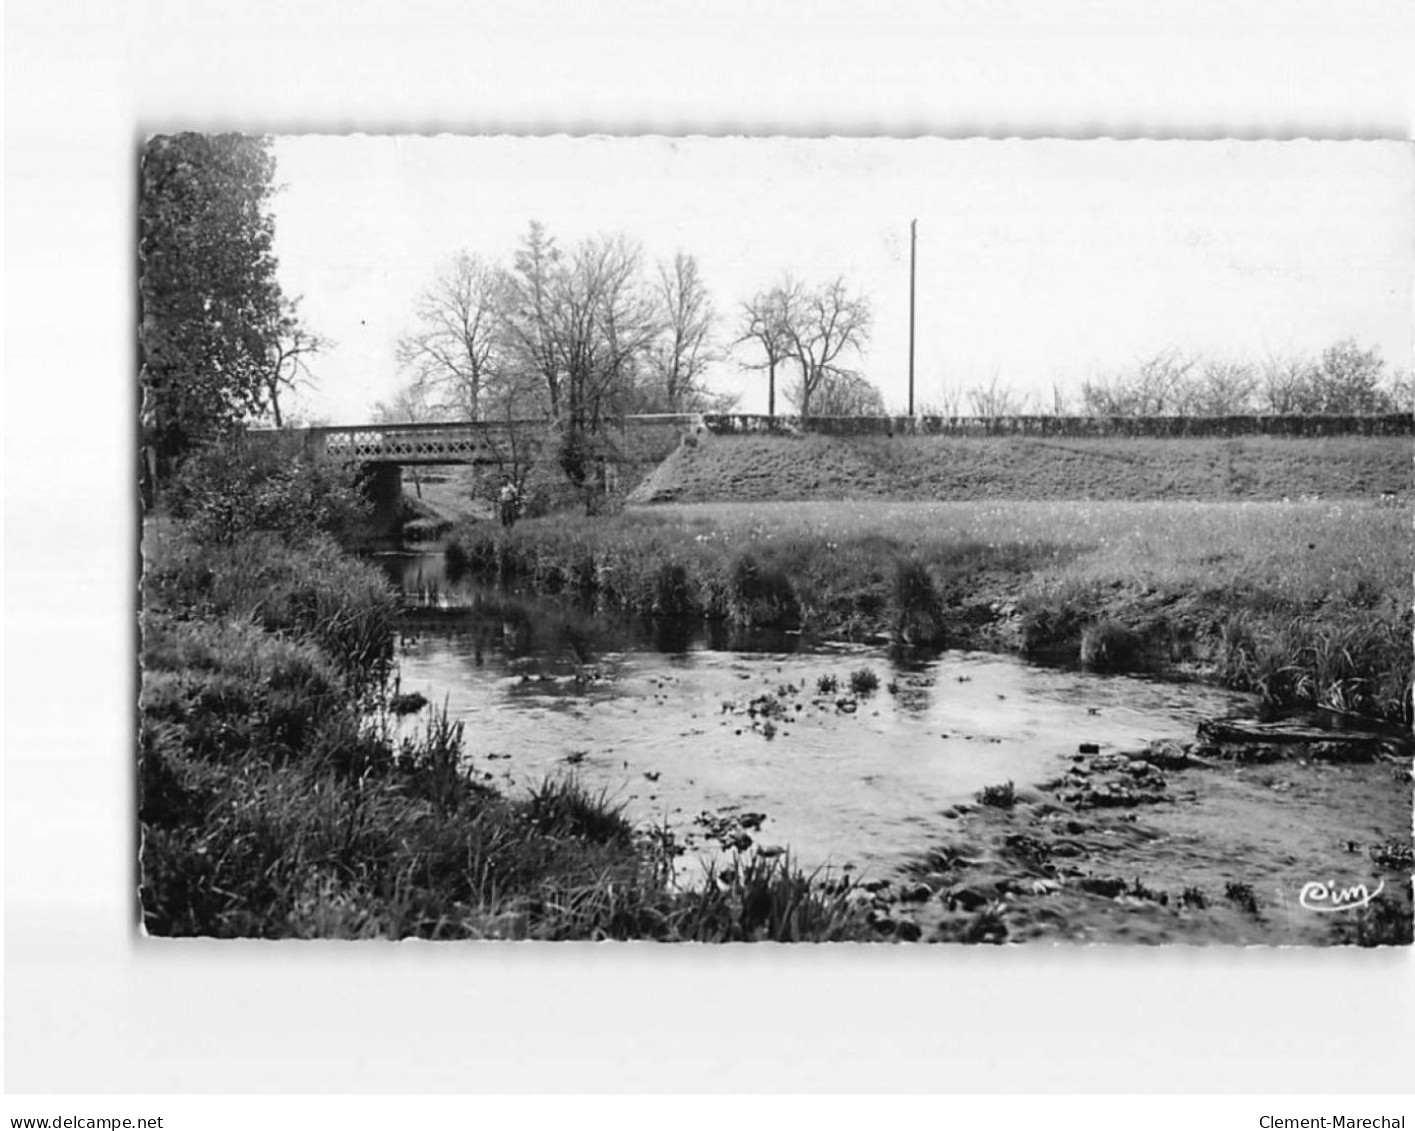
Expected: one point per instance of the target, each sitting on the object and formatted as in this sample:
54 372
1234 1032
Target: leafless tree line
576 335
581 335
810 331
1345 380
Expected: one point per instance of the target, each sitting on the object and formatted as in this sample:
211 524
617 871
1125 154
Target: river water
678 721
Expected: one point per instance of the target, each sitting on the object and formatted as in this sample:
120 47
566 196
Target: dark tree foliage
210 305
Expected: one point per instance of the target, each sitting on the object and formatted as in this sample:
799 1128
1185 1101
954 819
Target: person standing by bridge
510 502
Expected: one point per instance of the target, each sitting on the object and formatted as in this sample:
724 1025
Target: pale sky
1038 261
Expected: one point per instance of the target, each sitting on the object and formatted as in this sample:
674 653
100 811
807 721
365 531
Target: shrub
673 595
561 806
1193 897
864 681
999 796
457 561
1050 625
1241 895
1109 646
761 595
918 616
267 483
766 898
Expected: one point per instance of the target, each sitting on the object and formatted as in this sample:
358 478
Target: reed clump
918 614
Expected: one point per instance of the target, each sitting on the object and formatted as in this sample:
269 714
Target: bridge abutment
383 484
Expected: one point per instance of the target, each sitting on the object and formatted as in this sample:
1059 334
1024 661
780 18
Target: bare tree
822 325
1282 385
1160 385
683 349
408 405
996 398
949 403
528 313
1223 388
602 323
1345 380
763 322
847 394
1400 388
455 353
519 407
290 350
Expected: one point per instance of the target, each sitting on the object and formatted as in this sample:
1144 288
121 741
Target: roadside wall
737 424
651 439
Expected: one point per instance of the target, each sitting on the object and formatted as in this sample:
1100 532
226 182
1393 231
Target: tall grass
303 590
750 571
1342 659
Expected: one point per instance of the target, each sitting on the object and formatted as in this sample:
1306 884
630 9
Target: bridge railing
472 442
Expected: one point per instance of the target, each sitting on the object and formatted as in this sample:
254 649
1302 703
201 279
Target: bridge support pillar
384 486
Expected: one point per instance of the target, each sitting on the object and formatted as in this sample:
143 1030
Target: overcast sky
1038 261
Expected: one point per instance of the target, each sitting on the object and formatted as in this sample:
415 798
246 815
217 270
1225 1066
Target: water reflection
558 625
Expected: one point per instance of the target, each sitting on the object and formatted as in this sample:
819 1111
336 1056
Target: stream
688 724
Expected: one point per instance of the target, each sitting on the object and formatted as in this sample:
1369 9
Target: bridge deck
472 443
485 442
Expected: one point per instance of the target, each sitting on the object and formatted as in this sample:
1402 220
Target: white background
90 1007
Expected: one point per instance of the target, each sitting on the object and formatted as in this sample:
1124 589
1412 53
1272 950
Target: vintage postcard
768 539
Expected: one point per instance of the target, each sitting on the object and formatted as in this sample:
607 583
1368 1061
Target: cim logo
1317 896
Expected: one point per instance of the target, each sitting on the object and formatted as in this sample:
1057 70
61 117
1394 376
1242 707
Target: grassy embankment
278 796
1305 602
929 468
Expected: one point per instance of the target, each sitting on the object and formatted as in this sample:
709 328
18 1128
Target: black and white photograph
765 539
659 563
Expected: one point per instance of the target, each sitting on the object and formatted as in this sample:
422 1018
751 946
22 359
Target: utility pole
913 239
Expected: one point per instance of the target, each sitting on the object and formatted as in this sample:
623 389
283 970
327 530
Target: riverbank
288 787
1304 603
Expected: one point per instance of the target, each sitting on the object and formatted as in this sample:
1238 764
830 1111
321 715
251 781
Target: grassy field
917 468
1303 602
